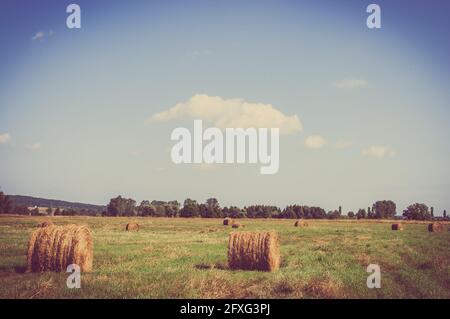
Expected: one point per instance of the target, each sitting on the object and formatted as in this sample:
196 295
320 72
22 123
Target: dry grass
182 258
324 287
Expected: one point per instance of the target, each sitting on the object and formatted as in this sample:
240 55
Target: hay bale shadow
209 266
221 265
20 269
283 263
203 266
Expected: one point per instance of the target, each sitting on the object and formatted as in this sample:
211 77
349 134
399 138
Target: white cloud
315 142
378 151
38 36
34 146
5 138
41 35
232 113
351 84
198 53
342 144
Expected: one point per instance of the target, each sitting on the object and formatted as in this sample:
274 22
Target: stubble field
187 258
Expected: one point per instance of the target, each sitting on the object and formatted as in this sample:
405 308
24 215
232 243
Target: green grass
186 258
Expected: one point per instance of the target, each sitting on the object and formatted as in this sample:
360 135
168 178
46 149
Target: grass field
187 258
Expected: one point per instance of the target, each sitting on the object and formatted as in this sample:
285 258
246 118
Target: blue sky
373 104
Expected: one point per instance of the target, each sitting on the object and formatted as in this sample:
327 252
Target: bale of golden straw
132 227
435 227
227 221
254 251
301 223
53 248
45 223
397 227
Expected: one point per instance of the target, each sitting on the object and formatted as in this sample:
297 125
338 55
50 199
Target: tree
6 204
261 211
190 211
149 211
417 212
351 215
21 210
175 208
120 206
212 202
35 211
208 211
158 202
333 214
171 211
235 212
175 204
146 209
298 211
160 211
69 212
317 213
189 201
289 212
361 214
383 209
190 208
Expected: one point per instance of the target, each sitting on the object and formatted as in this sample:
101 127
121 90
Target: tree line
121 206
384 209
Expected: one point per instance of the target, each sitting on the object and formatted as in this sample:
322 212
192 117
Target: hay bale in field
254 251
53 248
45 224
397 227
435 227
301 223
132 227
236 225
227 221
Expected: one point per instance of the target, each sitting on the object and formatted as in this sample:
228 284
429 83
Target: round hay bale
53 248
132 227
236 225
435 227
45 223
301 223
254 251
397 227
227 221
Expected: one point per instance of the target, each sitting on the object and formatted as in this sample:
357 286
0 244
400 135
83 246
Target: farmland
187 258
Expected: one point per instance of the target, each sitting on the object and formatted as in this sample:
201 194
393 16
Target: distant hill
30 201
